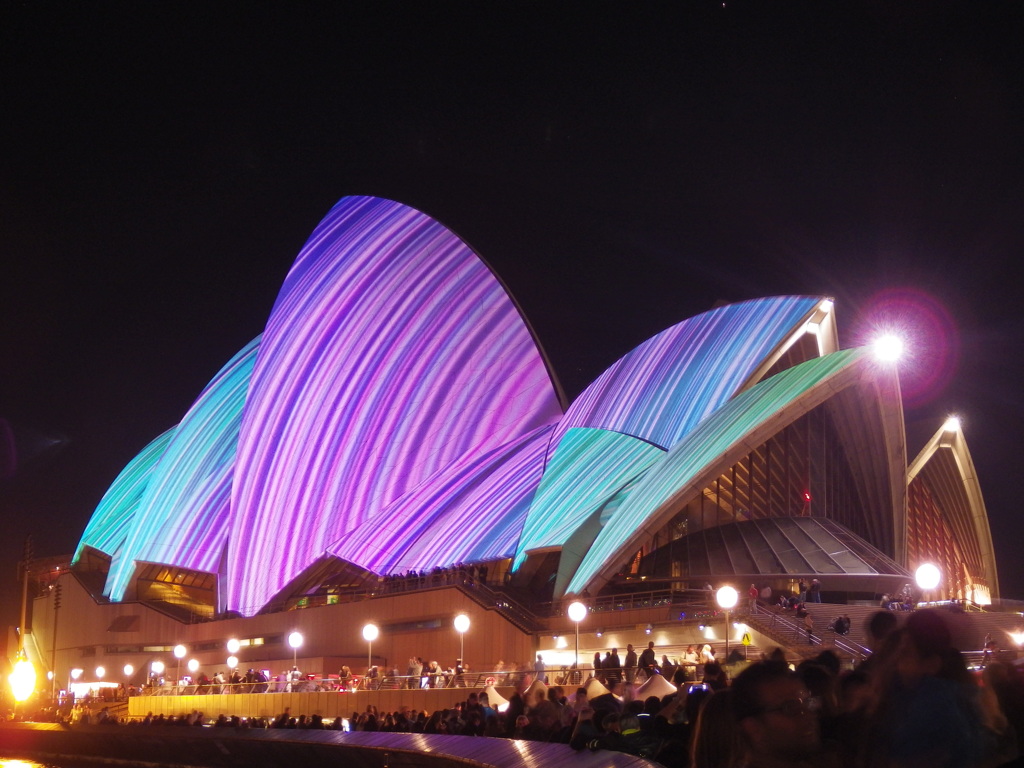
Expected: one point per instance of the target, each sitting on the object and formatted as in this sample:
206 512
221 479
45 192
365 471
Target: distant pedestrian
815 591
540 670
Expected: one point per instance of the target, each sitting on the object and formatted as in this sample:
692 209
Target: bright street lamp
128 670
461 626
370 633
727 597
179 654
234 645
22 680
156 669
74 674
928 577
577 612
193 666
295 641
100 672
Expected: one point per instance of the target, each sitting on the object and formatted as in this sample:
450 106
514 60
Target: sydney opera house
397 415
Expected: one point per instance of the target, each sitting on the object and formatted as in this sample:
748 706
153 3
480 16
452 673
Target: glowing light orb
22 680
232 662
193 665
370 633
888 348
180 651
928 576
234 645
952 424
931 340
727 597
157 668
461 623
577 612
295 640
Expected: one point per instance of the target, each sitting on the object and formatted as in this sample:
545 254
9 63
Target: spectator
649 660
715 740
776 717
814 592
630 664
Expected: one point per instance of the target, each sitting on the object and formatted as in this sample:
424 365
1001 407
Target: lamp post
928 577
461 626
295 640
22 679
726 597
577 612
370 633
179 654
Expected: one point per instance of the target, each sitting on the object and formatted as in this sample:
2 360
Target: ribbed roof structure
397 413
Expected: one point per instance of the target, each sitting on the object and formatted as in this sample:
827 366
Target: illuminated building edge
398 414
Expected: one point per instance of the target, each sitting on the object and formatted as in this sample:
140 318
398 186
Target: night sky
621 166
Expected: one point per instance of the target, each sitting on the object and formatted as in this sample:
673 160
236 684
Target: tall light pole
295 641
727 597
461 626
370 633
179 654
577 612
75 674
928 577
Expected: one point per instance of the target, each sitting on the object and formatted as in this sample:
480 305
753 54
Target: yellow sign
746 638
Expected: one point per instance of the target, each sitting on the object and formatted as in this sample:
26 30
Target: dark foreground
271 748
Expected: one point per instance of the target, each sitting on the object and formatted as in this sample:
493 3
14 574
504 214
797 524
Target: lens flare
931 344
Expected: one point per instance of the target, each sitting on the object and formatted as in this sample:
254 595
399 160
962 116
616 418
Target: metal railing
332 683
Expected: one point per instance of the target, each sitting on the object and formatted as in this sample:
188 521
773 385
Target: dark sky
622 166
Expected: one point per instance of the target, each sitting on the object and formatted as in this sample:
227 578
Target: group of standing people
610 669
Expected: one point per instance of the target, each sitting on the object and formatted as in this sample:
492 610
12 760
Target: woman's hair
715 742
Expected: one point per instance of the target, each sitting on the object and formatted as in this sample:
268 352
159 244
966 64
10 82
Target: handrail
426 681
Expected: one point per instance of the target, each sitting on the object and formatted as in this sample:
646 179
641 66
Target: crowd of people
461 573
912 703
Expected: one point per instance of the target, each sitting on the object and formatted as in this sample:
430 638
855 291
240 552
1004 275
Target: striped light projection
708 449
113 516
392 351
397 414
184 512
471 513
666 386
589 467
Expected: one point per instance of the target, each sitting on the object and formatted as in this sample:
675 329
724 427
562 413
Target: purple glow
931 344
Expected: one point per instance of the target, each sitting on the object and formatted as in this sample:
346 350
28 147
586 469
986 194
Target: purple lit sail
392 352
661 390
